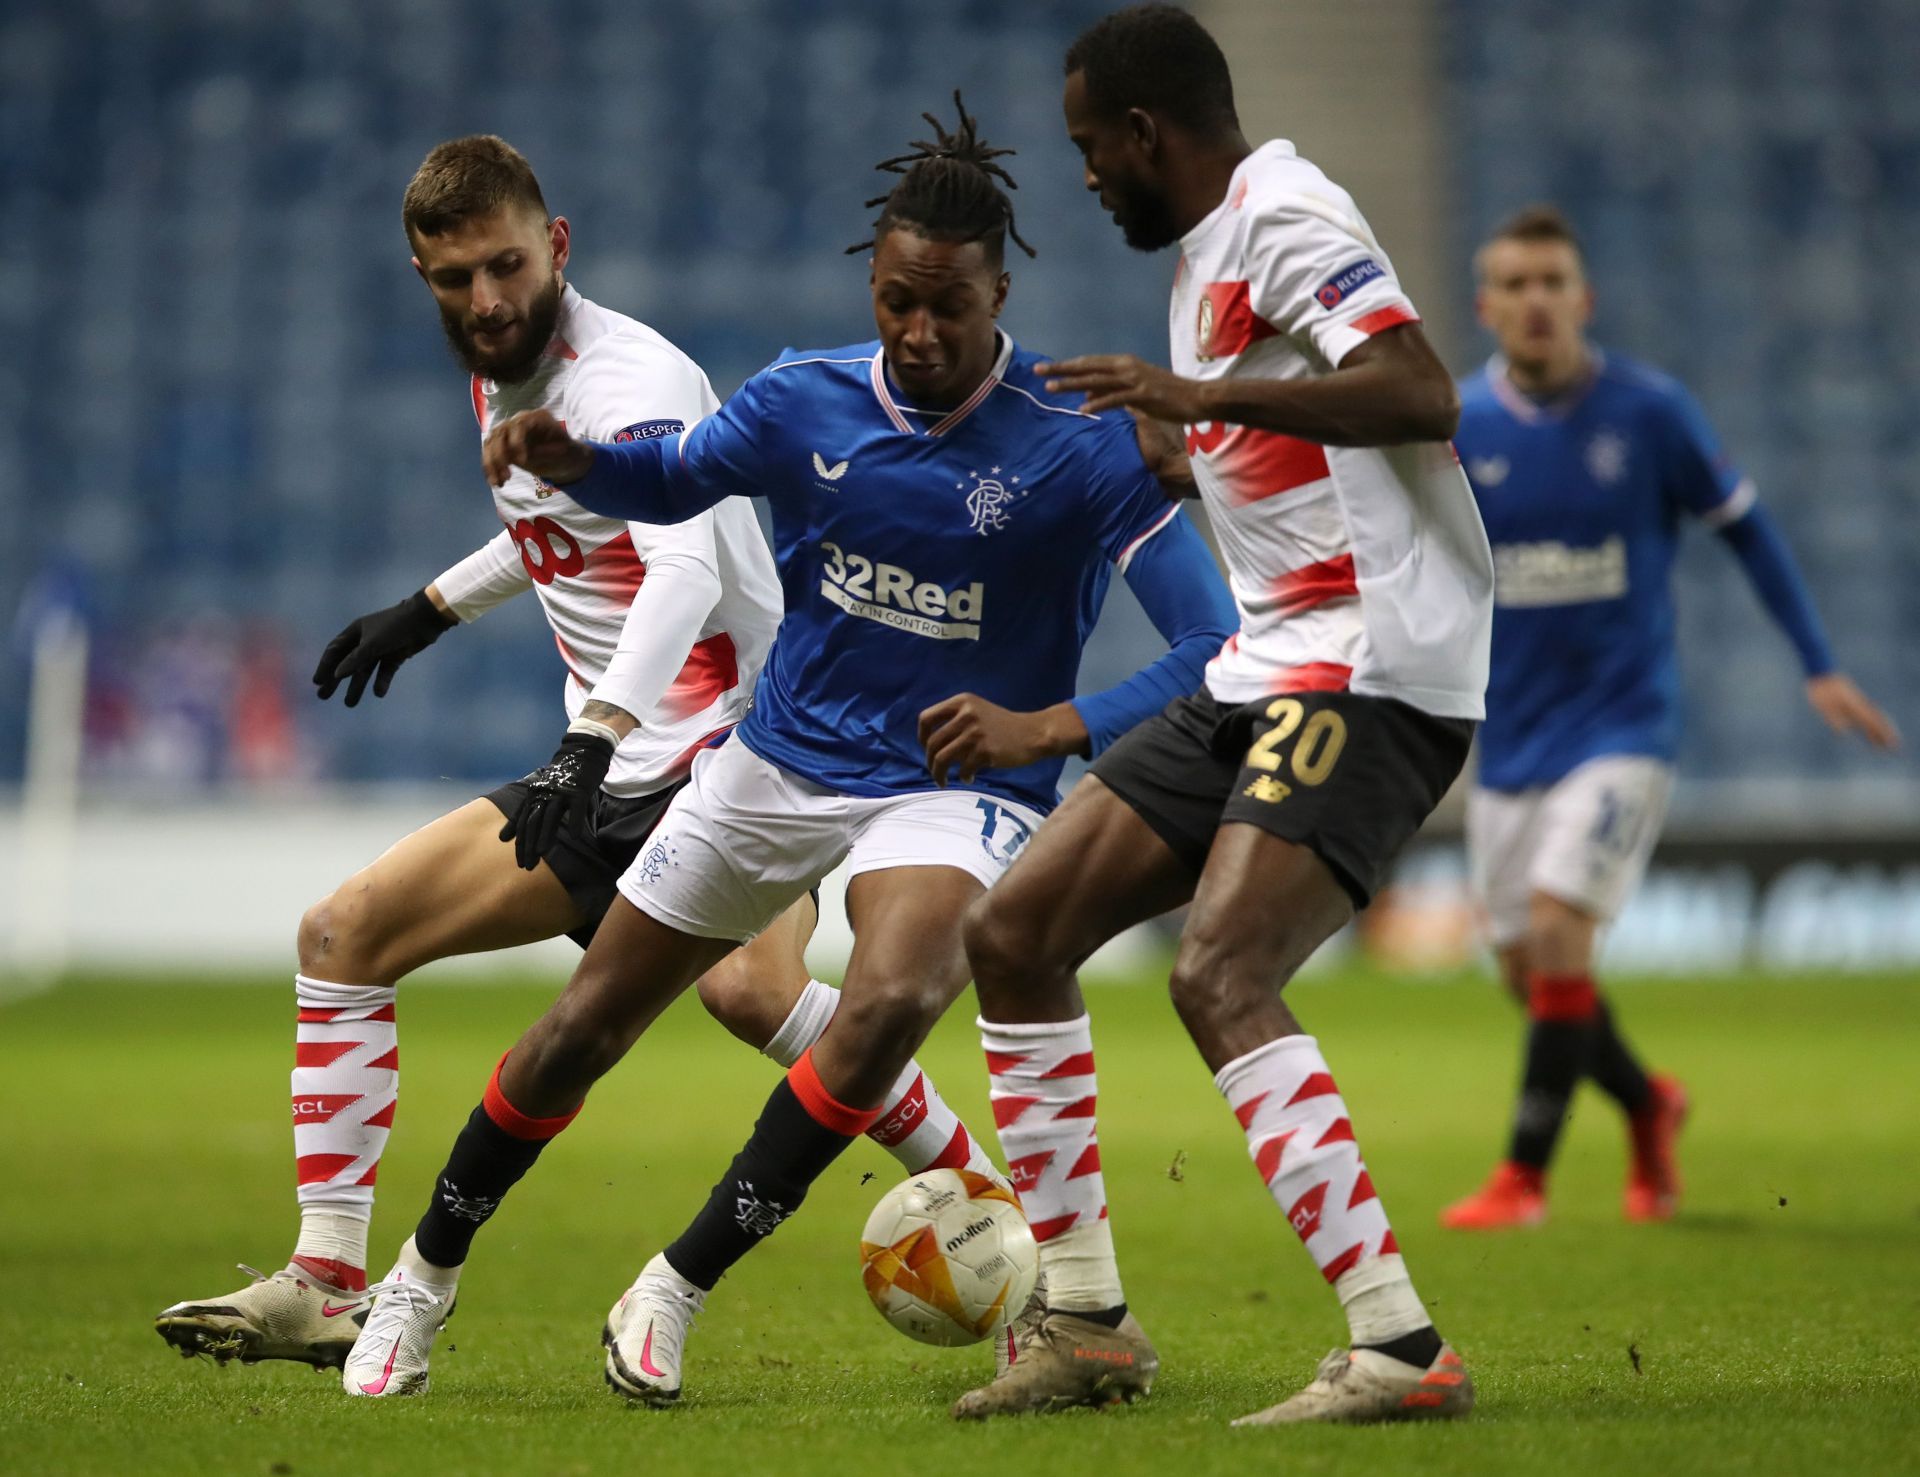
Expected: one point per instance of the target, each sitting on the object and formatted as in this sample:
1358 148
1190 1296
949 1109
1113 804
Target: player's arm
663 623
628 394
1315 275
1702 480
1390 388
372 647
1168 566
1177 583
1174 577
666 479
1756 541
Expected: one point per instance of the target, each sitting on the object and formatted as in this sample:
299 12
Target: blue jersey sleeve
1696 473
670 479
1126 500
1757 543
1179 586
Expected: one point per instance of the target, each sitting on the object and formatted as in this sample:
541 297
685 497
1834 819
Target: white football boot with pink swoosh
390 1356
646 1332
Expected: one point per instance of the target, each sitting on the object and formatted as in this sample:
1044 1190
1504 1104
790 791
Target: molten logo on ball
947 1257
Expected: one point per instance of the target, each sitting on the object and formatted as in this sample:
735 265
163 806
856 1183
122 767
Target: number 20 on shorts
1315 752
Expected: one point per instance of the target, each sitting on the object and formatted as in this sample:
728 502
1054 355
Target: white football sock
346 1081
418 1269
1044 1097
1302 1144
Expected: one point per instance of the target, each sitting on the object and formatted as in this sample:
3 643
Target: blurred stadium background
228 423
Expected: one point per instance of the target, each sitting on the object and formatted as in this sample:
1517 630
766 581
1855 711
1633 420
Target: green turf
1775 1326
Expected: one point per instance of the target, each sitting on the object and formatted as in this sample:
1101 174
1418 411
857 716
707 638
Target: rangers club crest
989 500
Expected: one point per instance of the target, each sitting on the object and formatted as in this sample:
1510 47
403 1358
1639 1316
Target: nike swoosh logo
380 1385
328 1310
646 1355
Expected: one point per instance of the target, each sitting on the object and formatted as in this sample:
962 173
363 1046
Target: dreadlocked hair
949 191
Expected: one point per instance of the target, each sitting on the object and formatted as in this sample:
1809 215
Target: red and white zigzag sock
1044 1098
346 1081
915 1124
1302 1144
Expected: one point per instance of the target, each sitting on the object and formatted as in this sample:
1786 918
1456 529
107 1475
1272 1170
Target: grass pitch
1775 1326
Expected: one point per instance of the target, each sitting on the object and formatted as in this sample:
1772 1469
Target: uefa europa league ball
947 1255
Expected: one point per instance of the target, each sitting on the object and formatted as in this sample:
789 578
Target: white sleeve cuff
1736 506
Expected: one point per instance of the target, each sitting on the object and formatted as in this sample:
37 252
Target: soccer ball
947 1255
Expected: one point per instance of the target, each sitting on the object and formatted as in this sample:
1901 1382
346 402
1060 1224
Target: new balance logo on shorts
891 595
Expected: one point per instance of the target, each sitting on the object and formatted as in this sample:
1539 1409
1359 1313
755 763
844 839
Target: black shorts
1349 777
589 864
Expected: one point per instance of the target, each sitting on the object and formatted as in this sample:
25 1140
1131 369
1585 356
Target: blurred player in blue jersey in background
1584 464
946 530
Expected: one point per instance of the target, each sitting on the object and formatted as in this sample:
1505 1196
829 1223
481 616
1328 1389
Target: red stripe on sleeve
1382 318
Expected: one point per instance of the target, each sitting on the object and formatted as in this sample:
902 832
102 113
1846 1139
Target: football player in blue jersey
1584 463
946 530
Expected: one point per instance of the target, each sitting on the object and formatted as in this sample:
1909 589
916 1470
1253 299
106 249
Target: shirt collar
883 392
1525 408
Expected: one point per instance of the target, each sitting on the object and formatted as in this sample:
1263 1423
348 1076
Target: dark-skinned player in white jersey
1274 798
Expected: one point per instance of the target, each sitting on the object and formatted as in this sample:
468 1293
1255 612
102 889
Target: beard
519 362
1146 221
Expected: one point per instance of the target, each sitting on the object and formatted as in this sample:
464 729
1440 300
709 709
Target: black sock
1105 1317
1419 1348
788 1150
486 1162
1559 1047
1614 1068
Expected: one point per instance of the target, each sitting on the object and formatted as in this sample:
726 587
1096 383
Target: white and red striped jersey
1353 567
671 623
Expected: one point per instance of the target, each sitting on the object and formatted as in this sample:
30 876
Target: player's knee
328 940
1211 981
883 1014
736 994
991 939
346 935
1558 941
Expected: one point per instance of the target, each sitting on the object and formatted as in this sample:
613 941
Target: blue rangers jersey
1582 498
925 553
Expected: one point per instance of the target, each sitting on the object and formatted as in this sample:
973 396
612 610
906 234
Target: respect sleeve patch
1348 280
648 430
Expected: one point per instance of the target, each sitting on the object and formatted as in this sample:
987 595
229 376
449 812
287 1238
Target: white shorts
745 838
1584 840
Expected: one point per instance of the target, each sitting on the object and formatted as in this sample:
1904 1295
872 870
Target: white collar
953 417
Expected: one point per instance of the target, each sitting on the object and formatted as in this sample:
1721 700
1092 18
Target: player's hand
538 441
1110 380
372 647
968 734
1836 698
1163 448
561 791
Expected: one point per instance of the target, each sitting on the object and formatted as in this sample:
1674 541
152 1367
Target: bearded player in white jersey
662 629
1274 799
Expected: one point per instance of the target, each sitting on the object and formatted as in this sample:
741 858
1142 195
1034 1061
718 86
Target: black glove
373 647
562 789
